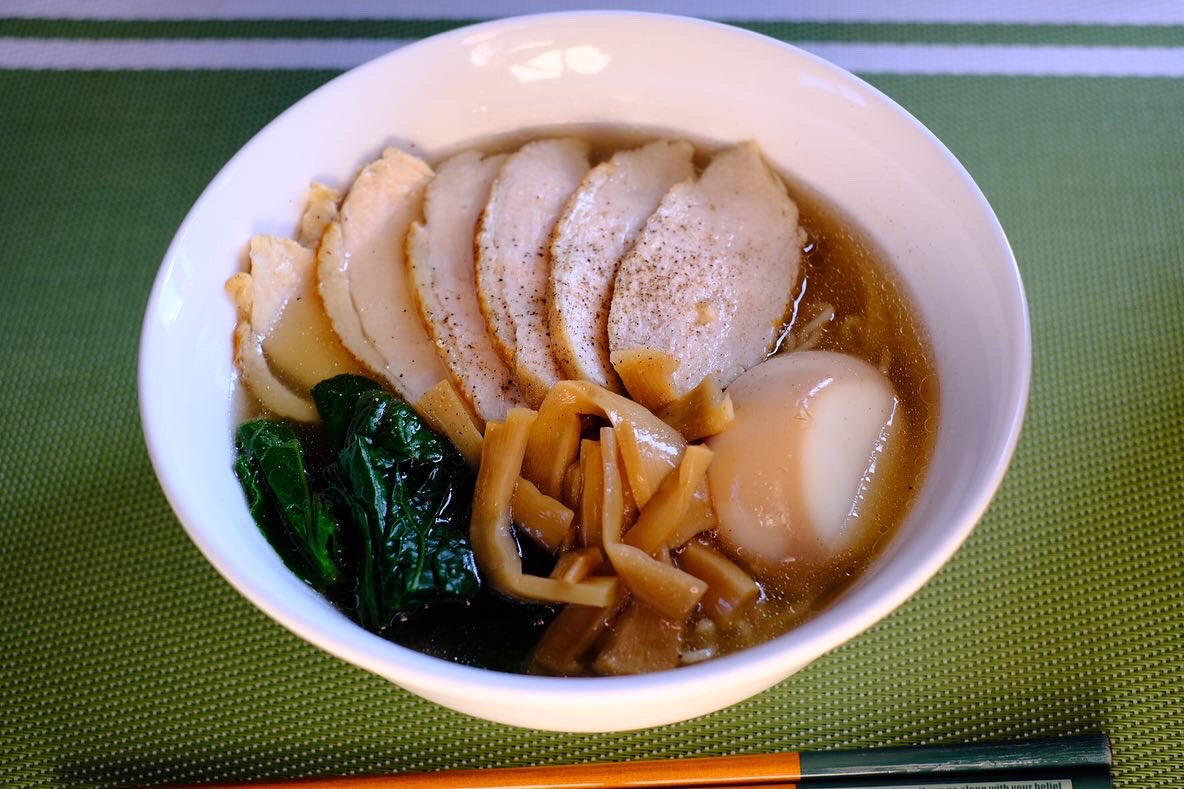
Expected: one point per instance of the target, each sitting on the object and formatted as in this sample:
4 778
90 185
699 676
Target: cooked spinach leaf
382 528
409 494
299 524
335 399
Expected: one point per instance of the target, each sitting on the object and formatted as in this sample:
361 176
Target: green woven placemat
125 659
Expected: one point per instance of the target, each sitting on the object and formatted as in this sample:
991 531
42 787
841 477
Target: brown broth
874 320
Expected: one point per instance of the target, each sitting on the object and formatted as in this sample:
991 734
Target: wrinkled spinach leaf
381 526
335 399
409 494
299 524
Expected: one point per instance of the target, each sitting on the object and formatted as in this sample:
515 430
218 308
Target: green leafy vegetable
372 509
335 399
409 495
299 524
398 538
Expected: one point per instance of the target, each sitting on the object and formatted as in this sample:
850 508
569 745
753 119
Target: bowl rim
417 671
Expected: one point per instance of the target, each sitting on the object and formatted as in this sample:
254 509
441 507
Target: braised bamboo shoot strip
577 564
701 412
491 531
700 517
612 507
664 587
642 640
554 439
648 375
548 521
641 482
730 590
661 516
630 509
592 493
572 633
446 413
573 485
650 451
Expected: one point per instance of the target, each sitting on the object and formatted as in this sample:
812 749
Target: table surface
124 658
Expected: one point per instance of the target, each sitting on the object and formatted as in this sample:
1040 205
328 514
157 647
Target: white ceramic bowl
828 128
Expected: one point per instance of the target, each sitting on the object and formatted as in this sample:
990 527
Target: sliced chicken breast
283 344
514 260
364 259
709 279
321 209
300 345
441 257
333 285
599 225
278 268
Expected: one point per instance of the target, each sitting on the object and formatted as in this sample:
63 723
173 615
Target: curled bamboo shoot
491 530
700 517
701 412
661 516
577 564
546 520
555 437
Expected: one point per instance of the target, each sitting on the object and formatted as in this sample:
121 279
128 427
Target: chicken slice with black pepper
597 228
710 277
514 256
363 278
440 253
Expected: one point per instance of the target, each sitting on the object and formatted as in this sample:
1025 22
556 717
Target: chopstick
1079 762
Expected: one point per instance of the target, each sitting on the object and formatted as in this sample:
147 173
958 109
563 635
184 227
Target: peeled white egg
792 471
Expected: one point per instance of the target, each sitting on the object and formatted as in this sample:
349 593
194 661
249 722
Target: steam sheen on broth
846 300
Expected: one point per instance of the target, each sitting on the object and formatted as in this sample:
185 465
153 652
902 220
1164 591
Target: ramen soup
578 403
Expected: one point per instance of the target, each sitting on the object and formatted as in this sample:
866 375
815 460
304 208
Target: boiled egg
793 472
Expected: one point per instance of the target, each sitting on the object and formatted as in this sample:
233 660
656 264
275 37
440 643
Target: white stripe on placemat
1056 12
1003 59
216 53
256 53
